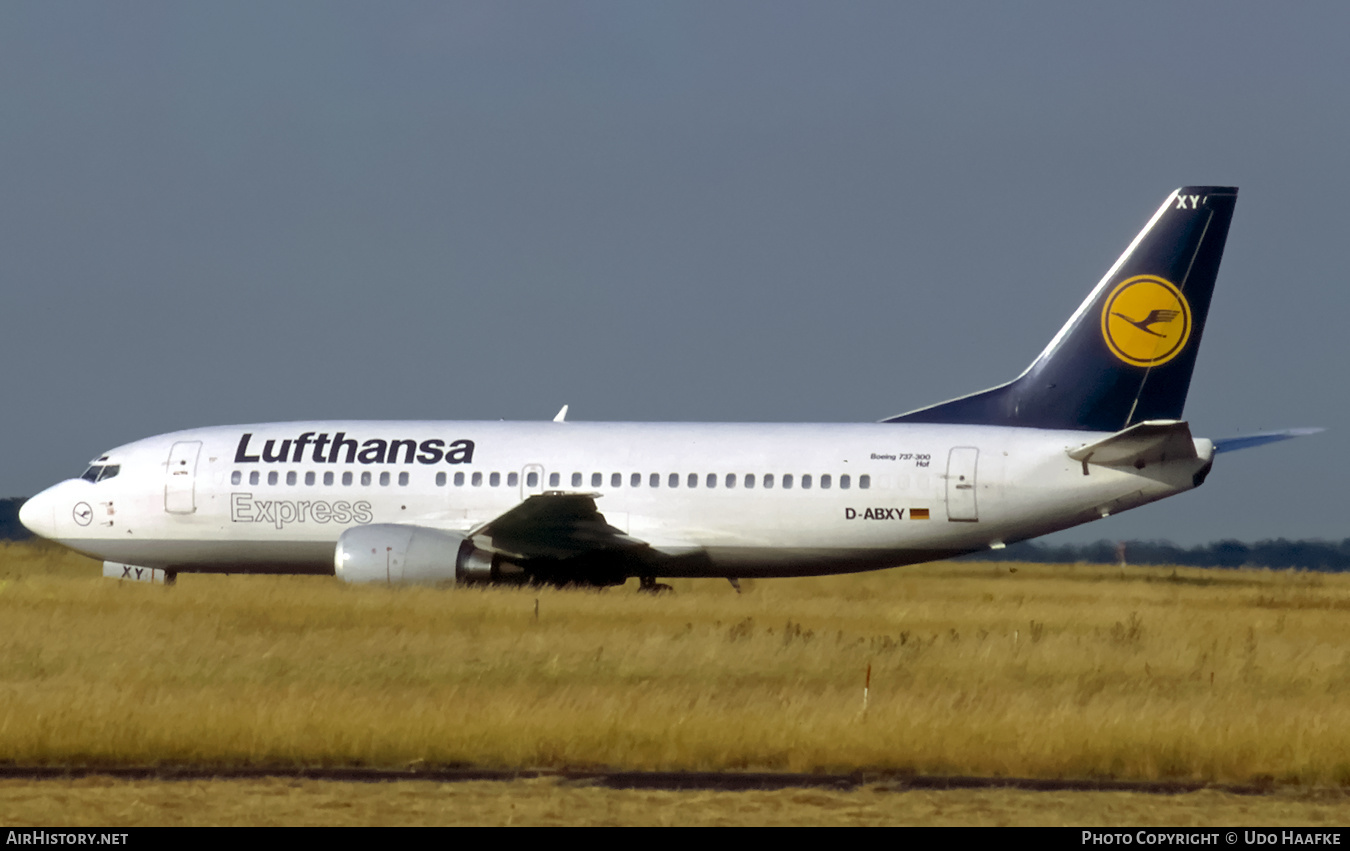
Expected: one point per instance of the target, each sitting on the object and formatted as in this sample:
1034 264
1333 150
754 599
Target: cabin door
181 477
531 480
961 463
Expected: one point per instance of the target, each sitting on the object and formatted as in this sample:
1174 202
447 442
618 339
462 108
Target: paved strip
728 781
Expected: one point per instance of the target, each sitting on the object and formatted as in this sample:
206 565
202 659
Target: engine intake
393 554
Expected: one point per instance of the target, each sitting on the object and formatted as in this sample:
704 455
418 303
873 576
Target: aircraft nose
38 515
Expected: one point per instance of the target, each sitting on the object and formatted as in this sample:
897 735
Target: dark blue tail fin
1127 353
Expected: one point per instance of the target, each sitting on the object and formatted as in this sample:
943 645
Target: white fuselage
749 499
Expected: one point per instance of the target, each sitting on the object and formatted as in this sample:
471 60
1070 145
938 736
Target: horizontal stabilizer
1232 444
1149 442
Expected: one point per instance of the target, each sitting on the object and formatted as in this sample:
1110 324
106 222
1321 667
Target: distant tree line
1279 553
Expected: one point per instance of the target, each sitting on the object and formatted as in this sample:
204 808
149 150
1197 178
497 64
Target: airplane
1091 428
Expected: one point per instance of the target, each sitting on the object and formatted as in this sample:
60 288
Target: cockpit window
99 472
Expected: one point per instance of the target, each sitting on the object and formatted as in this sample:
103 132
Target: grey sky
239 212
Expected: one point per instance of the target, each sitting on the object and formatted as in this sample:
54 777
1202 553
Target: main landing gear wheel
649 585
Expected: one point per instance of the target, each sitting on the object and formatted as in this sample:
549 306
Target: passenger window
346 479
403 480
327 479
290 477
554 479
576 480
844 482
864 482
712 480
495 480
440 480
365 480
768 480
532 480
806 482
787 481
654 480
513 480
477 480
597 479
459 480
236 477
825 482
384 480
272 477
309 479
749 480
674 480
253 477
731 480
693 480
635 480
616 480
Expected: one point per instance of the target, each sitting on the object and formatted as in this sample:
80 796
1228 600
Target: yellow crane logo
1146 321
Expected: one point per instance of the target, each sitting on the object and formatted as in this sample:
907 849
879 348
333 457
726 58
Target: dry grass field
1049 671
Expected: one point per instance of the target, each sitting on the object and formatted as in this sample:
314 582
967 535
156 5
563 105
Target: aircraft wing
555 524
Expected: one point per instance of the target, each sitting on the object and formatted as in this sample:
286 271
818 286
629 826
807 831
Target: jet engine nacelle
393 554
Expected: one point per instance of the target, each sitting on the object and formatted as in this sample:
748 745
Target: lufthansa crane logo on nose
1146 321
